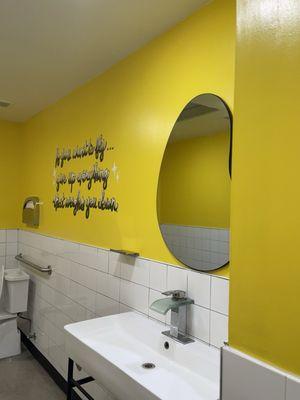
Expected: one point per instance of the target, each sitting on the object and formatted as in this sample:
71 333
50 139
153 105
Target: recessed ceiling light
4 103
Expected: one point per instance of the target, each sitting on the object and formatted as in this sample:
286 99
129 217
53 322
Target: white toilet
13 299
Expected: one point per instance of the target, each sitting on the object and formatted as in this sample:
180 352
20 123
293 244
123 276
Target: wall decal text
79 203
88 149
96 174
91 176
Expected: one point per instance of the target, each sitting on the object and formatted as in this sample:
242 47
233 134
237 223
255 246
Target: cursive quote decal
92 176
88 149
79 203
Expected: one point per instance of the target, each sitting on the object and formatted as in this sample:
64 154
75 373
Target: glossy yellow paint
10 208
194 183
265 217
134 105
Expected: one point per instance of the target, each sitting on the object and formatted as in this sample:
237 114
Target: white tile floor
22 377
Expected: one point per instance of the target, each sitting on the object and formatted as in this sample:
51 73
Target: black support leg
70 379
78 384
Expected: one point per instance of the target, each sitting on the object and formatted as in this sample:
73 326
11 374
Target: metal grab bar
47 269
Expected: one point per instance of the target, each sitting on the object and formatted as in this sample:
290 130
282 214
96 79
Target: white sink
112 350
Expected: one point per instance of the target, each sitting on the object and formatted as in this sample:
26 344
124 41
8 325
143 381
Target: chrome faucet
177 303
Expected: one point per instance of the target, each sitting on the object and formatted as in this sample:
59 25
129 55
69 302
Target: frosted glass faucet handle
176 294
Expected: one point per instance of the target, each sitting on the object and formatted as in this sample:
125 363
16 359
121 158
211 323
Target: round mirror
193 197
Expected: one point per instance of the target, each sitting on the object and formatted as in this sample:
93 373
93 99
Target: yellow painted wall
265 217
194 186
10 152
134 105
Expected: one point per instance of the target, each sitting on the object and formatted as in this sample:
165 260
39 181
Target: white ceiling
50 47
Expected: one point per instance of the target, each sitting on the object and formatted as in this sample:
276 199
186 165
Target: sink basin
113 350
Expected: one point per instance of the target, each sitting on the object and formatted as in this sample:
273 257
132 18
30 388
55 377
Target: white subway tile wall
206 246
218 329
8 247
220 295
245 377
293 388
89 282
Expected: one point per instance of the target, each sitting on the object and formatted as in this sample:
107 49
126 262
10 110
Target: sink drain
148 365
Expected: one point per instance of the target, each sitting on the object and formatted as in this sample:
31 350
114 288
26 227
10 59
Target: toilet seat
5 315
10 338
10 343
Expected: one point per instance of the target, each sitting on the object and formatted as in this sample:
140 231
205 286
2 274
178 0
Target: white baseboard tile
292 388
247 378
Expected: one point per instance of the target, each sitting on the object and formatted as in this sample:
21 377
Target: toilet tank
16 290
